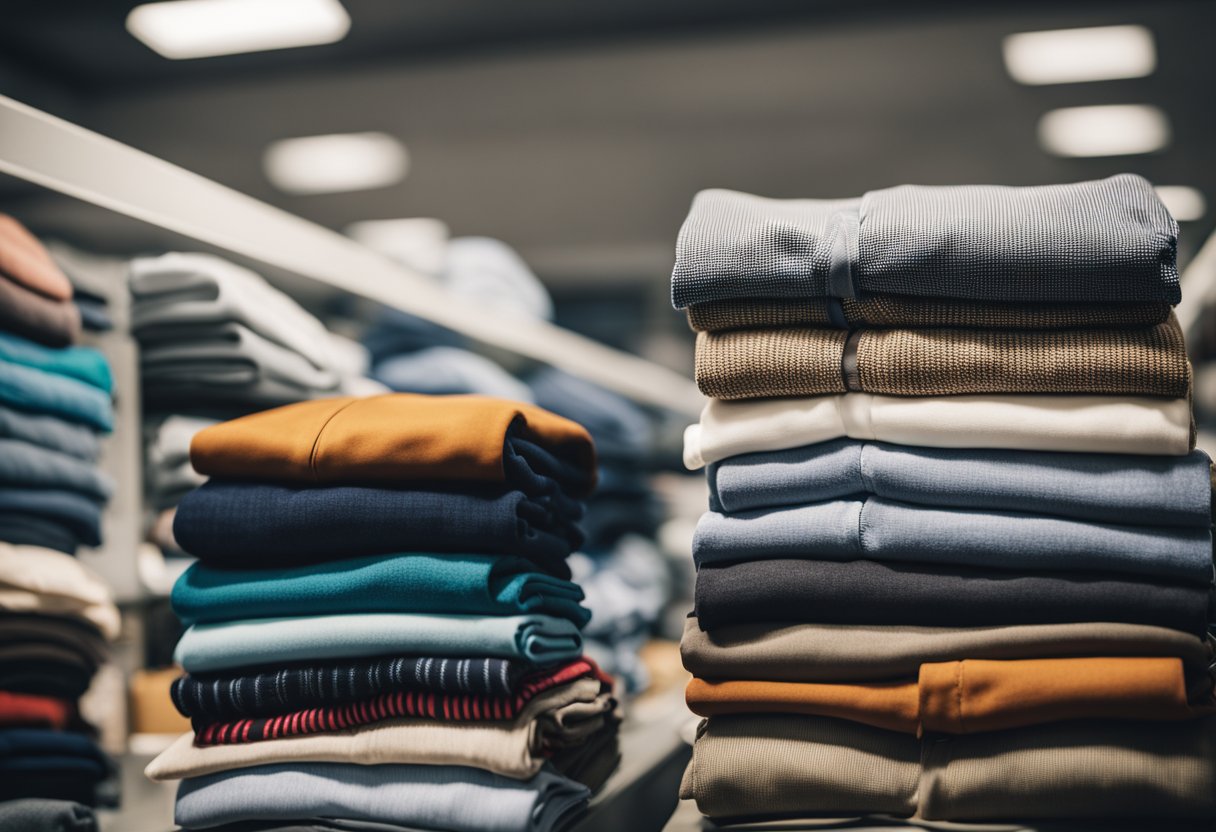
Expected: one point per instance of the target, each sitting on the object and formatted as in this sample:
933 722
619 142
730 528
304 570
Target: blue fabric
30 743
621 429
31 466
81 363
35 391
26 529
452 798
465 584
79 514
50 432
251 525
1107 488
885 530
264 642
445 370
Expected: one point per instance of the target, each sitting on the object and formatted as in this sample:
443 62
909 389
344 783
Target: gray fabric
884 530
451 798
443 370
49 432
1107 488
1106 240
24 465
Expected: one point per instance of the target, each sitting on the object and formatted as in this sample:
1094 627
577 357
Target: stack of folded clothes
381 623
958 560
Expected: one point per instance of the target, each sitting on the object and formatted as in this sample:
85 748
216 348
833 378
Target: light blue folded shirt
50 432
270 642
878 529
37 391
1106 488
453 798
81 363
23 464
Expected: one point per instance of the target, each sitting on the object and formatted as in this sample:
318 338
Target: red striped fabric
440 706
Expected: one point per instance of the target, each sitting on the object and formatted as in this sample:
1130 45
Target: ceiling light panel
334 163
1114 130
1066 56
181 29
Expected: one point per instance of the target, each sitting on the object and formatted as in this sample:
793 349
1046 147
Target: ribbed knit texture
945 362
897 311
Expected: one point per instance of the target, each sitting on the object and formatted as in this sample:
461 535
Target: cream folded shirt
39 580
561 717
1087 424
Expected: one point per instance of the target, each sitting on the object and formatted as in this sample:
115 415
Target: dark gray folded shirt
1110 240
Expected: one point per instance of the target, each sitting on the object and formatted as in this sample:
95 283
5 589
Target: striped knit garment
428 705
218 697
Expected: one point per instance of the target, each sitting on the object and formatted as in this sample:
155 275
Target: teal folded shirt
38 391
271 642
81 363
408 583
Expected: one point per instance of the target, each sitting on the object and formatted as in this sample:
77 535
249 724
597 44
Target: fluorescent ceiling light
1115 130
201 28
1184 202
338 162
1066 56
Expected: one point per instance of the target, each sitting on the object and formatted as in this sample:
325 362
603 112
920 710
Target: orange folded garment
27 710
395 438
25 260
973 696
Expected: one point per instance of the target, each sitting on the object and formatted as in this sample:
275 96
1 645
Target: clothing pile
381 622
56 616
958 560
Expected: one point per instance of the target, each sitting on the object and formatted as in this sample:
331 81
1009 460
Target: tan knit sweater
750 364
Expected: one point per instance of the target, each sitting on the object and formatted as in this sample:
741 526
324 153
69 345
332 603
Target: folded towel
777 765
1110 240
416 582
1089 424
759 363
1107 488
401 438
478 684
539 639
877 652
35 391
865 592
79 363
889 531
454 798
973 696
899 311
252 525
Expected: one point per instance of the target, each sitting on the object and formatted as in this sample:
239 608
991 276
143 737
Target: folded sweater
39 392
24 259
1110 240
80 363
759 363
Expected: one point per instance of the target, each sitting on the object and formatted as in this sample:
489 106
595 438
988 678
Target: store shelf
66 158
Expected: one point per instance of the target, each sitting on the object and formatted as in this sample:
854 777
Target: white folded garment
1085 424
38 580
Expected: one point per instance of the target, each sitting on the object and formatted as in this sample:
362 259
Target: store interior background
578 133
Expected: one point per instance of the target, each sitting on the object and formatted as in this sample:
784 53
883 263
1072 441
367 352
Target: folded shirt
25 260
890 532
973 695
622 431
466 685
36 391
23 529
26 710
39 580
46 815
80 363
866 592
1110 240
455 798
1089 424
49 763
401 438
48 655
26 465
67 519
308 712
904 311
178 290
769 765
24 312
759 363
807 652
414 582
539 639
252 525
1106 488
49 432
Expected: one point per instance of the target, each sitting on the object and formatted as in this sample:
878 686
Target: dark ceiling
579 131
